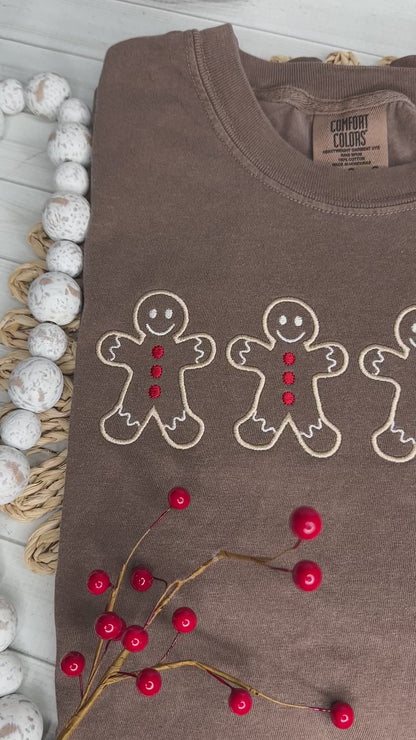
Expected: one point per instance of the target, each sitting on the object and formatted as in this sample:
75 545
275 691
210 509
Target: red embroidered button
155 391
288 358
288 398
288 378
158 351
156 371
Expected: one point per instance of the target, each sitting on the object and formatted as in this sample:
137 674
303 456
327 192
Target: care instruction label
351 139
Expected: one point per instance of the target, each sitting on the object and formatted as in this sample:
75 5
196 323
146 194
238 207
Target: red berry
179 498
135 638
184 619
72 664
141 579
149 681
342 715
305 523
123 629
240 701
109 626
98 582
307 575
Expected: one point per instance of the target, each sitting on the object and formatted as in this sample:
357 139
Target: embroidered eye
168 313
298 321
413 328
152 313
282 320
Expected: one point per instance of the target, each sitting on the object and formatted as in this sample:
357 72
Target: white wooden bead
35 384
20 429
45 93
20 719
74 110
12 98
65 256
2 124
47 340
71 177
54 297
14 474
66 216
70 142
11 673
8 623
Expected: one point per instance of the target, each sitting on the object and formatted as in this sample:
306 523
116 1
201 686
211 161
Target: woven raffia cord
41 554
44 492
337 57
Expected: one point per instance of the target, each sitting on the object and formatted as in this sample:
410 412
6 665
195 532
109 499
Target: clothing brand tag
351 139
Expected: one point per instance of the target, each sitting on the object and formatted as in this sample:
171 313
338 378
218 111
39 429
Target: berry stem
112 601
162 580
284 570
169 648
81 686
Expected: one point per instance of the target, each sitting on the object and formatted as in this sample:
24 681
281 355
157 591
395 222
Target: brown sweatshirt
248 333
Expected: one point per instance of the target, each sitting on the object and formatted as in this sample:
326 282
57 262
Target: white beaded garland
12 98
66 216
20 718
45 93
8 623
54 297
20 429
70 142
71 177
65 256
14 474
47 340
74 110
11 673
35 384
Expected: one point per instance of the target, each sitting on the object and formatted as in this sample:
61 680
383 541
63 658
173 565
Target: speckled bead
74 110
55 297
20 429
14 474
66 216
65 256
45 93
70 142
8 623
11 673
35 384
12 98
47 340
20 718
71 177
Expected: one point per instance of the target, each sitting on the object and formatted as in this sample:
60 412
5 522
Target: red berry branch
305 523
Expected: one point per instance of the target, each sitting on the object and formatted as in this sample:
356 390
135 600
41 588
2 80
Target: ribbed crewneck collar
231 79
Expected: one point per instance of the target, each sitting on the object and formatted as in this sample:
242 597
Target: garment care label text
351 139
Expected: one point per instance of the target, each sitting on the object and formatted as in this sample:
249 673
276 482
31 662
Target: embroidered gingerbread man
289 366
395 440
156 361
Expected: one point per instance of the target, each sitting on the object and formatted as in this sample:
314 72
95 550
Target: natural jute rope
44 493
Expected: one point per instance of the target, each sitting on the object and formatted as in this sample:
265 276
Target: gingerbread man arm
246 353
114 348
380 363
198 350
330 359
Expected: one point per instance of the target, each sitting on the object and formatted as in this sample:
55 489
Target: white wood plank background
71 37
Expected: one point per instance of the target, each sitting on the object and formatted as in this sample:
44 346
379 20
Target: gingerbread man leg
181 429
396 440
259 428
126 421
317 435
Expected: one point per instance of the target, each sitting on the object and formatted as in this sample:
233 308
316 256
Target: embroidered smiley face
290 321
160 314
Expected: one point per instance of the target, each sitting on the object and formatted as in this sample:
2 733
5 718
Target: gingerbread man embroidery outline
204 349
371 361
336 357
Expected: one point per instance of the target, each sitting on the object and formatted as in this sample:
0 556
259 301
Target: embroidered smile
412 341
160 333
285 339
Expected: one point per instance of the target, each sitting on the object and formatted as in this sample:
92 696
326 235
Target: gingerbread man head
405 328
290 320
160 314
